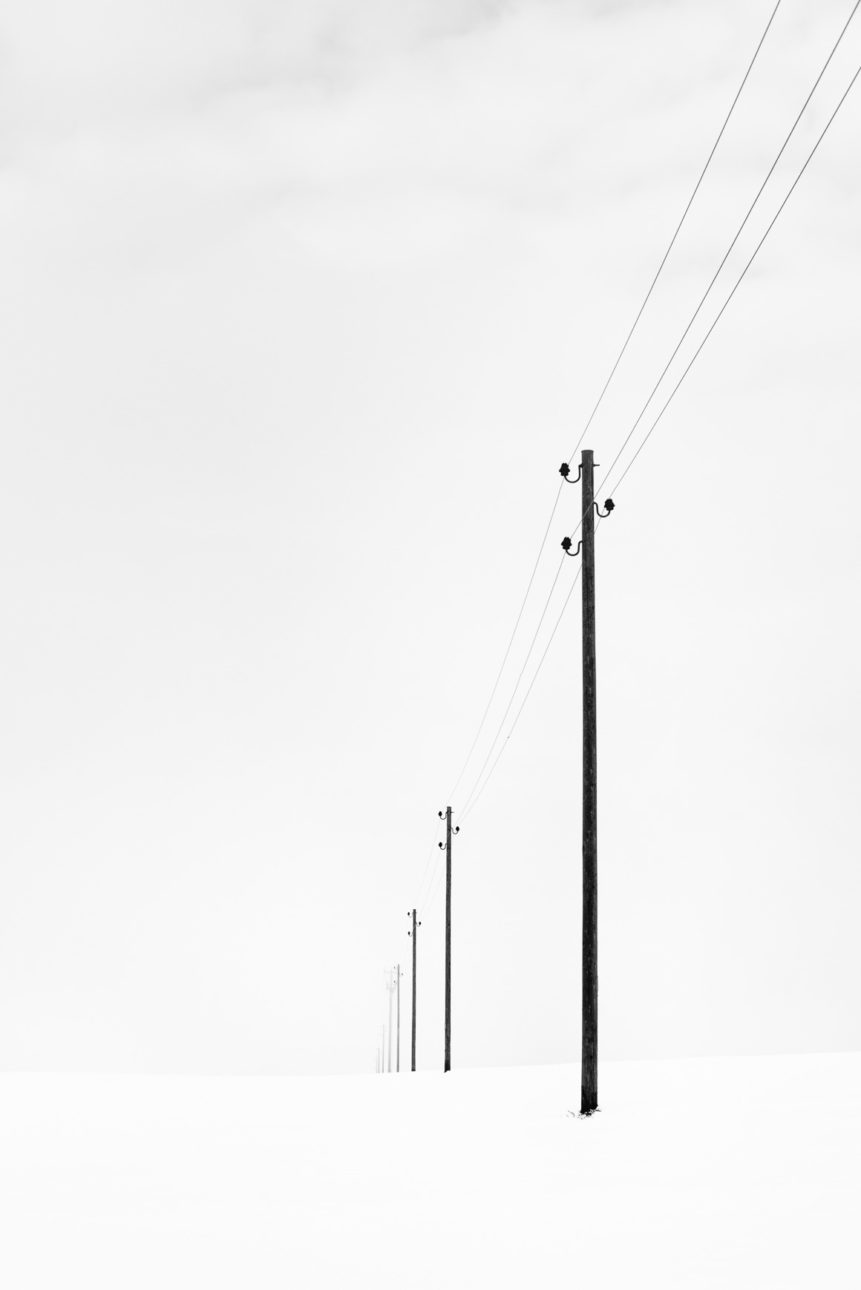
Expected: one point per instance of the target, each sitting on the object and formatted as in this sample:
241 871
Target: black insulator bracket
566 546
565 472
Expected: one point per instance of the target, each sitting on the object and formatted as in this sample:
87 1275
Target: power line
432 890
741 275
477 795
516 683
430 865
504 744
430 855
678 229
501 725
729 249
612 373
508 647
424 902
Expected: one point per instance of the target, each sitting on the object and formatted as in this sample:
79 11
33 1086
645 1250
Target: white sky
302 307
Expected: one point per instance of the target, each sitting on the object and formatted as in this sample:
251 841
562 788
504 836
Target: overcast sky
301 308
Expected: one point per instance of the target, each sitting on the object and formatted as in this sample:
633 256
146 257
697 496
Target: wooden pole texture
589 1047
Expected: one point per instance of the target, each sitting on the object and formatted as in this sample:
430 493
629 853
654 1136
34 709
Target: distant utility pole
448 836
390 985
398 975
414 934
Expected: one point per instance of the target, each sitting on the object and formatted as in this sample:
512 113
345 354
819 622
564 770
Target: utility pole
398 975
390 985
589 1013
589 1041
448 836
414 934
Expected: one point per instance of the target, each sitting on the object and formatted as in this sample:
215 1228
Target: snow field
703 1173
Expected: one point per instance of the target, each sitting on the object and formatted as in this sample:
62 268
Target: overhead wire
424 897
477 795
474 791
430 867
432 890
605 477
729 249
481 724
481 784
678 229
517 715
741 276
516 683
620 355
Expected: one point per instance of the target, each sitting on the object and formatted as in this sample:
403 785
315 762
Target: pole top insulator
565 470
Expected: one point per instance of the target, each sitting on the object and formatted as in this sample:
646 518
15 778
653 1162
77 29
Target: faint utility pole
589 1015
398 975
448 837
414 934
390 986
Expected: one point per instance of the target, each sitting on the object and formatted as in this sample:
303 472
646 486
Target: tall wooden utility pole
448 836
589 1034
414 934
589 1042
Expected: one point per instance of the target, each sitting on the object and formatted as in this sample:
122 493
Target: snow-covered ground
730 1173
